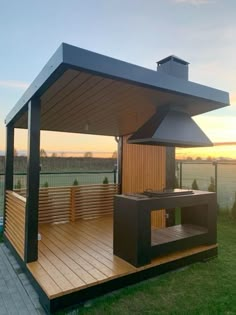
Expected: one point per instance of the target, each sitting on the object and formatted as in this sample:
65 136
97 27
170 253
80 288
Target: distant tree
189 158
114 155
18 184
198 158
195 185
212 186
43 153
88 154
105 180
45 184
75 183
209 158
15 152
54 154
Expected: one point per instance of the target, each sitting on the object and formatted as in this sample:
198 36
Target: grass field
201 289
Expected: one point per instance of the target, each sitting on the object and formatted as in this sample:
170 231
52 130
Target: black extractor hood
171 127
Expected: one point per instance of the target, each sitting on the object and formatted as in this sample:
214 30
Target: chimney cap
174 58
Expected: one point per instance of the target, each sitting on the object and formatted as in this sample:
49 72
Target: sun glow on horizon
224 151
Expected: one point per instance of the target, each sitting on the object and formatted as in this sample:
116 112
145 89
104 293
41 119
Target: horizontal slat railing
92 201
15 221
54 204
64 204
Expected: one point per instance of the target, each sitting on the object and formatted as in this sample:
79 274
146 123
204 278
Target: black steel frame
32 189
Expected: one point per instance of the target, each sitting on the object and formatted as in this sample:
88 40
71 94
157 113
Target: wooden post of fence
72 203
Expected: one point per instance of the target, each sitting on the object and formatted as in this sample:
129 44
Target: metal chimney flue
175 66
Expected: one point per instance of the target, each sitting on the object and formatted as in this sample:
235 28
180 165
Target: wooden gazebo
83 92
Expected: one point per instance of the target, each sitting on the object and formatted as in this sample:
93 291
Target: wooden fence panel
64 204
15 221
92 201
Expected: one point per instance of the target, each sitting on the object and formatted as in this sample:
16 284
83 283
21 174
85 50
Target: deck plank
44 279
78 255
75 235
79 265
71 276
98 261
61 281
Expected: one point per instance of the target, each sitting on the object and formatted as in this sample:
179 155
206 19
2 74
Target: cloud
193 2
13 84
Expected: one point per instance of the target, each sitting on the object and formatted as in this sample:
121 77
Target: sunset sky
142 32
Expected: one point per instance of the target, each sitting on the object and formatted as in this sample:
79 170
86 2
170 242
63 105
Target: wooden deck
75 256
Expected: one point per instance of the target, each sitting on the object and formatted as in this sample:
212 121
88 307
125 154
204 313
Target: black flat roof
82 91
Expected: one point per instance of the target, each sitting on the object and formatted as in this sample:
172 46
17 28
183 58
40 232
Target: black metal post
120 162
170 167
216 176
9 163
32 191
114 173
180 174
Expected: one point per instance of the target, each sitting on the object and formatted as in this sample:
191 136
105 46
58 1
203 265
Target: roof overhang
85 92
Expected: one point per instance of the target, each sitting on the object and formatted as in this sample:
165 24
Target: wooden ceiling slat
103 112
133 101
82 91
115 126
77 87
110 107
68 105
64 81
116 94
23 121
87 108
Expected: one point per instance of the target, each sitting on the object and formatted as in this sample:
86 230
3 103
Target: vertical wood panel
144 167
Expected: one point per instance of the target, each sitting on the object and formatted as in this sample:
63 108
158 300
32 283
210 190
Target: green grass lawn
202 288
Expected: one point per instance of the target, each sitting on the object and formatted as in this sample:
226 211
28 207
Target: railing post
180 174
216 177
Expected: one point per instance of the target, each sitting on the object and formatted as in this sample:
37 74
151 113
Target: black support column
120 163
170 181
33 170
9 161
